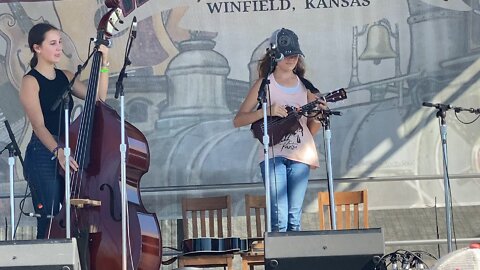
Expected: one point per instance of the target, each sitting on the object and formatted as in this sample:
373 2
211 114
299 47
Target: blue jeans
46 185
288 184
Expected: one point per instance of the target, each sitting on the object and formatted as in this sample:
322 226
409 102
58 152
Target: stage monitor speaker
53 254
327 250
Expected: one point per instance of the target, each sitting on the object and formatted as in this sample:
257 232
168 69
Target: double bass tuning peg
112 24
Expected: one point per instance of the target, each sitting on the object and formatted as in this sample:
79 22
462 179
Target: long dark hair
36 36
264 66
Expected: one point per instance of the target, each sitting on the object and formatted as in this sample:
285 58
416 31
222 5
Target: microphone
14 142
437 105
394 261
126 62
275 54
106 42
406 262
278 55
134 28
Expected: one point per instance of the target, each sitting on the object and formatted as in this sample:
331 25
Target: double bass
96 222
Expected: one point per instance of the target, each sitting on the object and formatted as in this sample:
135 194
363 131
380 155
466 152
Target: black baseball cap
286 42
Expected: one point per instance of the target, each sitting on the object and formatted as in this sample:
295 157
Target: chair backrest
346 203
203 211
257 205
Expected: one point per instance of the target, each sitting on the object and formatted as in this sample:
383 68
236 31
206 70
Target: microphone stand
123 147
13 151
327 135
11 166
65 100
441 115
262 98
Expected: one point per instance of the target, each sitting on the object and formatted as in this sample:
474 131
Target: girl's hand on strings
322 105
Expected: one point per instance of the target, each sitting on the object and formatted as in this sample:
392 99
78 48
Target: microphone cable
465 122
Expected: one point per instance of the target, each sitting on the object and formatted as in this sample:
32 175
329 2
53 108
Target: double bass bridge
81 203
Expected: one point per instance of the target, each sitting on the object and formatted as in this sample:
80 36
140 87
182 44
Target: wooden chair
207 211
346 203
255 256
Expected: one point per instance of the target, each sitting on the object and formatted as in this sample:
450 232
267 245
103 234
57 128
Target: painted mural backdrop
194 61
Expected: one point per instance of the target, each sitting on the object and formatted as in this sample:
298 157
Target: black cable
436 226
20 206
90 46
426 253
451 205
453 220
466 123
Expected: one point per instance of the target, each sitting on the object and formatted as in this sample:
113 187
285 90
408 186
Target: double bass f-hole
113 199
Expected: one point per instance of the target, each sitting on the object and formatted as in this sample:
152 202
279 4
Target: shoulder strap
309 85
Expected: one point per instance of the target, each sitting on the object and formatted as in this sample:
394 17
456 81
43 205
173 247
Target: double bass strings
85 125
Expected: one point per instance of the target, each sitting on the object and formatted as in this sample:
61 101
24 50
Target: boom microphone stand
13 150
123 146
441 115
262 98
327 135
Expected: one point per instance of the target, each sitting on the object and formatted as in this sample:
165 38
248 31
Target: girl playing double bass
296 153
40 89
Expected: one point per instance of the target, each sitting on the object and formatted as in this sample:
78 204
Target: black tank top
49 92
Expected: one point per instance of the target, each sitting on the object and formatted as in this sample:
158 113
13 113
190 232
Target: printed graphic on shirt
291 141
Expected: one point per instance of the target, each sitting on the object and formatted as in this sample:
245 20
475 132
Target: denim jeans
288 184
46 185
